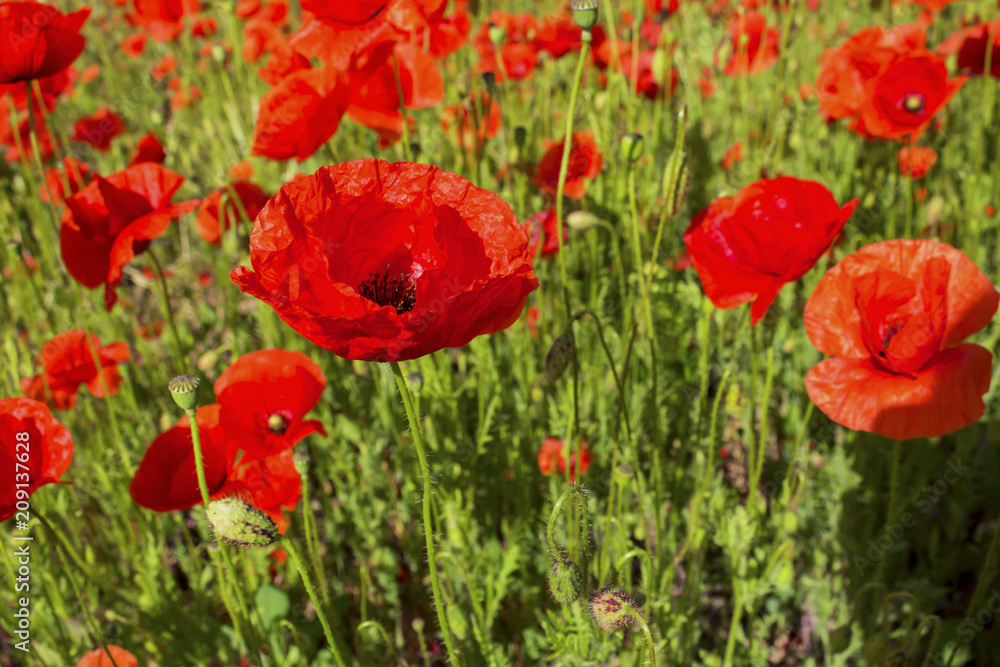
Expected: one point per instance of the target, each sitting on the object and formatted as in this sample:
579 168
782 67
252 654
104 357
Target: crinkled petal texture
49 448
894 314
944 397
746 247
167 478
383 261
264 396
38 40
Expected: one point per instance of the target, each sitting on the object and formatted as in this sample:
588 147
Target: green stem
650 645
762 443
893 493
425 473
734 624
293 553
168 313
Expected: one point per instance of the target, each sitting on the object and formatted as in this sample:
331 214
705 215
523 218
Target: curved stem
425 473
168 312
293 554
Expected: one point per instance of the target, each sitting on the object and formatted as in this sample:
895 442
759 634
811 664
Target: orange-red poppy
213 218
893 317
99 658
67 362
585 162
38 40
552 462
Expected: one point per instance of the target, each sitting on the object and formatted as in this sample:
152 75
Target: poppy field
499 332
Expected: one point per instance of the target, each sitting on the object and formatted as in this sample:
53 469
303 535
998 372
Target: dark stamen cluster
398 291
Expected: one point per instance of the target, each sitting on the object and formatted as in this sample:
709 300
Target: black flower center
278 421
888 331
915 103
396 290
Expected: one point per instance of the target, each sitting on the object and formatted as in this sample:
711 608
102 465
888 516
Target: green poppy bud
581 221
184 389
612 608
497 34
632 147
585 13
240 524
565 582
558 359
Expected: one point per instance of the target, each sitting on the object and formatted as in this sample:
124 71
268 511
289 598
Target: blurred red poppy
894 315
38 40
755 46
388 261
557 35
863 56
148 149
99 658
916 161
213 218
972 44
264 398
163 20
748 246
472 122
585 162
542 230
134 45
67 362
29 436
552 462
348 13
113 219
903 99
98 130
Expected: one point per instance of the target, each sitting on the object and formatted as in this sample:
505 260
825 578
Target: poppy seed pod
184 389
585 13
558 359
632 146
240 524
612 609
581 221
565 582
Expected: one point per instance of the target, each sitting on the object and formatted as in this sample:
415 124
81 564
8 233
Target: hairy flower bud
612 608
240 524
184 389
558 359
565 582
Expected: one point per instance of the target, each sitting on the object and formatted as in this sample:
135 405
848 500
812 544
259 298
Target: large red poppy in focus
113 219
746 247
894 315
38 40
384 261
49 450
68 362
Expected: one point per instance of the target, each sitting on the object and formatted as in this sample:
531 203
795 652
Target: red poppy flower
746 247
113 219
585 162
167 65
49 450
163 20
894 315
518 62
273 483
282 62
18 139
99 658
345 47
211 221
906 96
841 86
557 35
167 478
148 149
380 261
551 460
259 37
39 40
972 44
733 155
755 46
134 45
50 88
543 230
348 13
264 397
67 362
300 114
98 130
916 161
648 83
